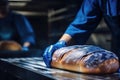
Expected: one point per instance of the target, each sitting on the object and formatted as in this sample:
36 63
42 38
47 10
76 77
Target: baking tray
33 68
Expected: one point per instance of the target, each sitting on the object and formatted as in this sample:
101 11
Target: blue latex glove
25 48
47 56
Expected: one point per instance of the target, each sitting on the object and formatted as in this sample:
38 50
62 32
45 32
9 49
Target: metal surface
13 54
34 69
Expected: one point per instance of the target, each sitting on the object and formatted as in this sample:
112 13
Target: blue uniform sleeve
24 29
85 22
113 7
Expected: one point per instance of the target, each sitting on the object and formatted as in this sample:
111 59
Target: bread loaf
85 59
10 45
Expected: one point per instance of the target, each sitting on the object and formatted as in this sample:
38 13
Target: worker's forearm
26 44
66 38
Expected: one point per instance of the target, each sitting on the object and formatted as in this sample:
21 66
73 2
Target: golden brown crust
72 59
108 66
10 45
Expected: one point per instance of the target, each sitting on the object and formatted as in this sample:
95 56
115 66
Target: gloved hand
24 48
47 56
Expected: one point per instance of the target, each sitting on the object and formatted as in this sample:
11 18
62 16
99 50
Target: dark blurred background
50 18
